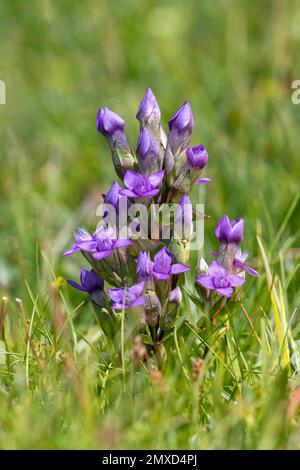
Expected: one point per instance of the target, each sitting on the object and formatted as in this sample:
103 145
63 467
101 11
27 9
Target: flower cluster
145 273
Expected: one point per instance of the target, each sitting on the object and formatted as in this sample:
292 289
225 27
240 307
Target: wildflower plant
134 273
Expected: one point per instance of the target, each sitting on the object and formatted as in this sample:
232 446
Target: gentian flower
147 151
148 112
141 186
101 244
81 235
127 297
108 122
144 266
230 231
89 282
175 296
182 123
220 280
197 157
163 267
180 130
240 265
112 126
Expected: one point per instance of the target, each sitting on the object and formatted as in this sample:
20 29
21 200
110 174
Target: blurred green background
234 61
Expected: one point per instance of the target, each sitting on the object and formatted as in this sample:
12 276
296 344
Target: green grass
234 62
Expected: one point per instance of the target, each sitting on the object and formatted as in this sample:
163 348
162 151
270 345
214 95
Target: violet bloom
89 282
220 280
175 296
124 298
81 236
163 267
240 265
230 231
197 157
108 122
147 151
182 121
144 266
101 244
148 111
141 186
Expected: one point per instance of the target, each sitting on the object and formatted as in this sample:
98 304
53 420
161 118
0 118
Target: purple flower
89 282
230 231
183 120
163 267
147 151
175 296
144 266
108 122
101 244
220 280
149 110
203 181
127 297
141 186
240 265
197 157
81 236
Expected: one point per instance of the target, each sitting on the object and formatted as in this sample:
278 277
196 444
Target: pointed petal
138 302
101 254
179 268
225 291
76 286
205 281
235 280
130 179
122 242
127 193
156 178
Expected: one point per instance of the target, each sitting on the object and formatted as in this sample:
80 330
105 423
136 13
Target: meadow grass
234 62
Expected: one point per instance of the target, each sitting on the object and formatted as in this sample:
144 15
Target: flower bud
180 130
202 267
152 307
148 113
172 309
148 153
112 126
230 231
197 157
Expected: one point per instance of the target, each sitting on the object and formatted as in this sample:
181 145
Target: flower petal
235 280
203 180
88 245
101 254
156 178
122 242
130 179
116 294
161 276
76 286
151 193
216 268
127 193
179 268
137 289
205 281
72 250
225 291
138 302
